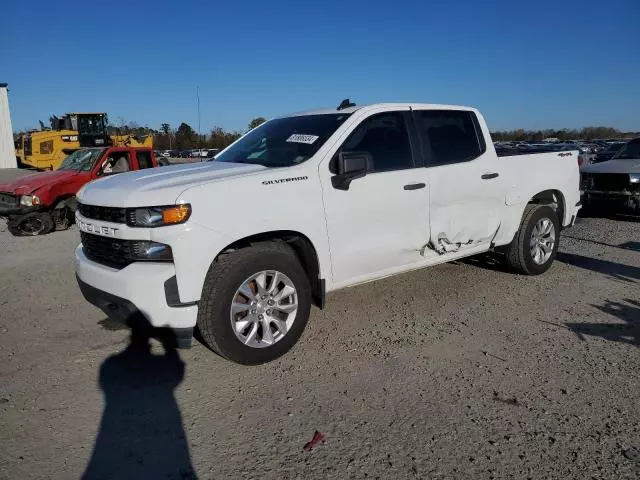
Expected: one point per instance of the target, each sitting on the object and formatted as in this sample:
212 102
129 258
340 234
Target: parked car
614 184
349 197
609 152
204 153
43 201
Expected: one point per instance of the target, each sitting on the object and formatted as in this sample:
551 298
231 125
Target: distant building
7 147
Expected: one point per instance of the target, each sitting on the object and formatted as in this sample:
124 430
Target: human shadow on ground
141 433
620 271
628 332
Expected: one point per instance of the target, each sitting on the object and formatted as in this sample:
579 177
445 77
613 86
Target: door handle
414 186
488 176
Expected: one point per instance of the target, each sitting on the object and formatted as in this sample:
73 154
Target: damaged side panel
449 236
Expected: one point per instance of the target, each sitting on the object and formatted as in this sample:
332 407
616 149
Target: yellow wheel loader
45 149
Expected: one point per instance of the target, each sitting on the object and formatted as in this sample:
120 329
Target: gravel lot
458 371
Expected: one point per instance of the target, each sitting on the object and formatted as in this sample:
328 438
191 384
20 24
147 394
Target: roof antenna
346 103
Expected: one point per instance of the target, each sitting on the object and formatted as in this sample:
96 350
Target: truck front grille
611 181
112 252
106 214
8 200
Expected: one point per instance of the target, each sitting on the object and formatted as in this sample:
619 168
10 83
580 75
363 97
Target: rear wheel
255 303
535 245
30 224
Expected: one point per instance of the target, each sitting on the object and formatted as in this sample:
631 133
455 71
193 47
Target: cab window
384 136
117 162
144 160
449 136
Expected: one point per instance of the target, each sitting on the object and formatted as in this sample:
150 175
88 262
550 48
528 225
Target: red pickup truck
40 202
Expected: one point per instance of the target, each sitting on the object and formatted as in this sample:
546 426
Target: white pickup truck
309 203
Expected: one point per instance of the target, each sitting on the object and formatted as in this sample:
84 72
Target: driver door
379 224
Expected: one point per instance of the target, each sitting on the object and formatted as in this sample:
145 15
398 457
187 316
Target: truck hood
32 182
622 165
158 186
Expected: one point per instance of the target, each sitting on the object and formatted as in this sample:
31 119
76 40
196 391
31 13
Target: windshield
614 147
82 160
284 141
629 150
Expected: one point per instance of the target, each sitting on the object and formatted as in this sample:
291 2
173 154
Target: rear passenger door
465 187
380 223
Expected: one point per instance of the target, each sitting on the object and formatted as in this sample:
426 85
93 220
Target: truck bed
514 152
540 172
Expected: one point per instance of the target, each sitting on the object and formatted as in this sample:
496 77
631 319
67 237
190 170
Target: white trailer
7 150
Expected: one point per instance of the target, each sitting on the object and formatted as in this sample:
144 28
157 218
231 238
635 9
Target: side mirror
351 166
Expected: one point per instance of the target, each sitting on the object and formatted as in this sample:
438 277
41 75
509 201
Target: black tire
62 218
225 276
518 252
31 224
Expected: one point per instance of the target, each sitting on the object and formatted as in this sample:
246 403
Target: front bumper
623 199
138 288
12 211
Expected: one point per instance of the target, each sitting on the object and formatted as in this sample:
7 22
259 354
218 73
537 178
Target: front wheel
535 245
255 303
30 224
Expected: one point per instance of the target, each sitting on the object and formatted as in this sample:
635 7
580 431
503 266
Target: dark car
609 152
614 183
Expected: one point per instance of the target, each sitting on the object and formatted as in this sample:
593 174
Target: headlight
151 251
29 200
634 177
149 217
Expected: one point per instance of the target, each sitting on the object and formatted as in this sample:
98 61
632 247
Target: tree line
185 137
586 133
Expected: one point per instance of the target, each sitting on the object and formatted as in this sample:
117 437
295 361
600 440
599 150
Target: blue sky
542 64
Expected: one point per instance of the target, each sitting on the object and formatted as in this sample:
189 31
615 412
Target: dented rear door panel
465 208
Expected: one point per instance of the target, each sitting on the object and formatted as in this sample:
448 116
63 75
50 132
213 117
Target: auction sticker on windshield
299 138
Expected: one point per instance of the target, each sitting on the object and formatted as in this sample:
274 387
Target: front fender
71 203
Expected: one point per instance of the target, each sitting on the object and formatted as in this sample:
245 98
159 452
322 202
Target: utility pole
199 133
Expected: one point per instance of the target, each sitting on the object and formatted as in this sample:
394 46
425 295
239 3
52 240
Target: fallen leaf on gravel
632 454
506 400
317 438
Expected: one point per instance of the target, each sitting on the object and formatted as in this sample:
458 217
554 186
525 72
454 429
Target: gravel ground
458 371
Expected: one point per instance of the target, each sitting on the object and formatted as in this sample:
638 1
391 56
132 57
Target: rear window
449 136
144 160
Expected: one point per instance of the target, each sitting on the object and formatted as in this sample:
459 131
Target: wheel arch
65 200
305 251
555 199
514 214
